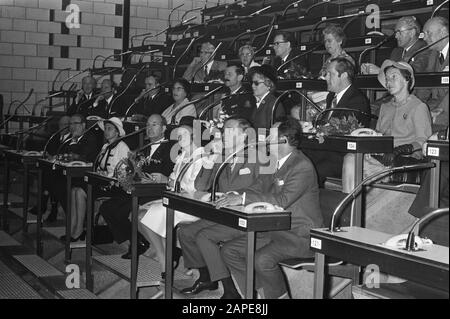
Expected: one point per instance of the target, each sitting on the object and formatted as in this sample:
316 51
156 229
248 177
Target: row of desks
188 203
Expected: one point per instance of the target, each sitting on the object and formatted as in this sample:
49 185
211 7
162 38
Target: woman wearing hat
109 157
263 81
404 117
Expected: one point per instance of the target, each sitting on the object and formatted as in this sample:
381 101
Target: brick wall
35 43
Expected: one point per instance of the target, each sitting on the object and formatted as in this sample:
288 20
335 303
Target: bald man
212 70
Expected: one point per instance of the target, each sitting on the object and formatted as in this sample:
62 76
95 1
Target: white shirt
340 94
236 90
64 138
154 147
444 51
263 97
283 160
209 65
116 155
252 64
172 110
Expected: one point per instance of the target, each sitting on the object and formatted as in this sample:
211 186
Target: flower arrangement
338 126
128 171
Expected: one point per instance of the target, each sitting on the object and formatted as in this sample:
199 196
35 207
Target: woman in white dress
181 107
108 159
153 222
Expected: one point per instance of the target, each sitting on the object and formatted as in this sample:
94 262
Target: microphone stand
289 92
30 129
79 139
207 108
171 12
43 100
153 36
222 165
269 33
298 57
294 4
57 75
181 56
243 17
372 178
438 8
410 242
115 55
51 138
374 48
230 46
15 112
71 77
92 98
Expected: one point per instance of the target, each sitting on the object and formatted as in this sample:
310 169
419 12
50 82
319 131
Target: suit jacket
352 99
419 62
243 175
437 99
160 162
82 107
216 72
293 187
241 105
86 147
292 70
155 105
54 144
262 116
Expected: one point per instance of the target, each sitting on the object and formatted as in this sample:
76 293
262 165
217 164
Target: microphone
294 4
115 55
57 75
181 56
410 242
71 77
79 138
114 144
207 61
44 99
269 33
426 47
29 130
316 5
10 106
298 56
188 20
438 8
143 148
141 96
230 46
222 165
367 181
171 12
147 53
386 39
207 108
243 17
153 36
188 11
52 137
126 88
289 92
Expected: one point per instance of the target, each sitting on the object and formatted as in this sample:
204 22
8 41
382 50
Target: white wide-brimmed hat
114 121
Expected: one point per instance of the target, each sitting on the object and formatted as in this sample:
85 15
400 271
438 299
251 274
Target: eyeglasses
256 83
404 30
206 52
75 123
275 44
245 54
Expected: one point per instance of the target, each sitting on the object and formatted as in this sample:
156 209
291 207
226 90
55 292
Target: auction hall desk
234 217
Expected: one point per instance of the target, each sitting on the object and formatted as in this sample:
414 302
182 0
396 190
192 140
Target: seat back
329 200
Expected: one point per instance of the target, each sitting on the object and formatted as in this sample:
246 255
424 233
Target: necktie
334 102
206 70
403 53
441 58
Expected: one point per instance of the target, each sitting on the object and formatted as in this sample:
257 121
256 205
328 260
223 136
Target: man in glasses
246 55
201 72
407 32
283 47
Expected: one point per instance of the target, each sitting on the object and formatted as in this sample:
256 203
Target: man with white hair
199 72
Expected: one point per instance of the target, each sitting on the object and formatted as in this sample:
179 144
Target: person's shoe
199 286
81 237
141 248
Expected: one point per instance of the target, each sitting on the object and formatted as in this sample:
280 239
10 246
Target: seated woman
181 92
108 158
153 219
405 117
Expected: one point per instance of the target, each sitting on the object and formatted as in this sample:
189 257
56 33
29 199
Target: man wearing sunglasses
407 32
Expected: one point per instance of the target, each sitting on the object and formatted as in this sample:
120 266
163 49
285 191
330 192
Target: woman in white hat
404 117
110 155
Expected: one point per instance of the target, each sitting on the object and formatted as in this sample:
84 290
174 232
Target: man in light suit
437 28
199 240
211 71
293 186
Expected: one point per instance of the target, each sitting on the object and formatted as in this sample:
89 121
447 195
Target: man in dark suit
283 43
437 28
343 94
264 81
159 165
81 146
103 106
211 71
84 99
199 240
242 105
154 102
292 186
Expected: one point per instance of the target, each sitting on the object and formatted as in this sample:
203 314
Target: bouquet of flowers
338 126
128 171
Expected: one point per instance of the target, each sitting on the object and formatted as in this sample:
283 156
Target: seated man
199 240
158 165
211 71
293 187
343 94
83 100
242 105
102 105
247 55
154 102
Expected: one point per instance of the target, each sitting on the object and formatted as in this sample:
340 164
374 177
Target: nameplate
218 135
433 151
316 243
261 138
223 57
196 34
86 179
242 223
275 26
303 48
268 51
444 80
206 88
324 18
64 172
430 2
351 146
298 85
213 37
165 201
136 128
368 41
